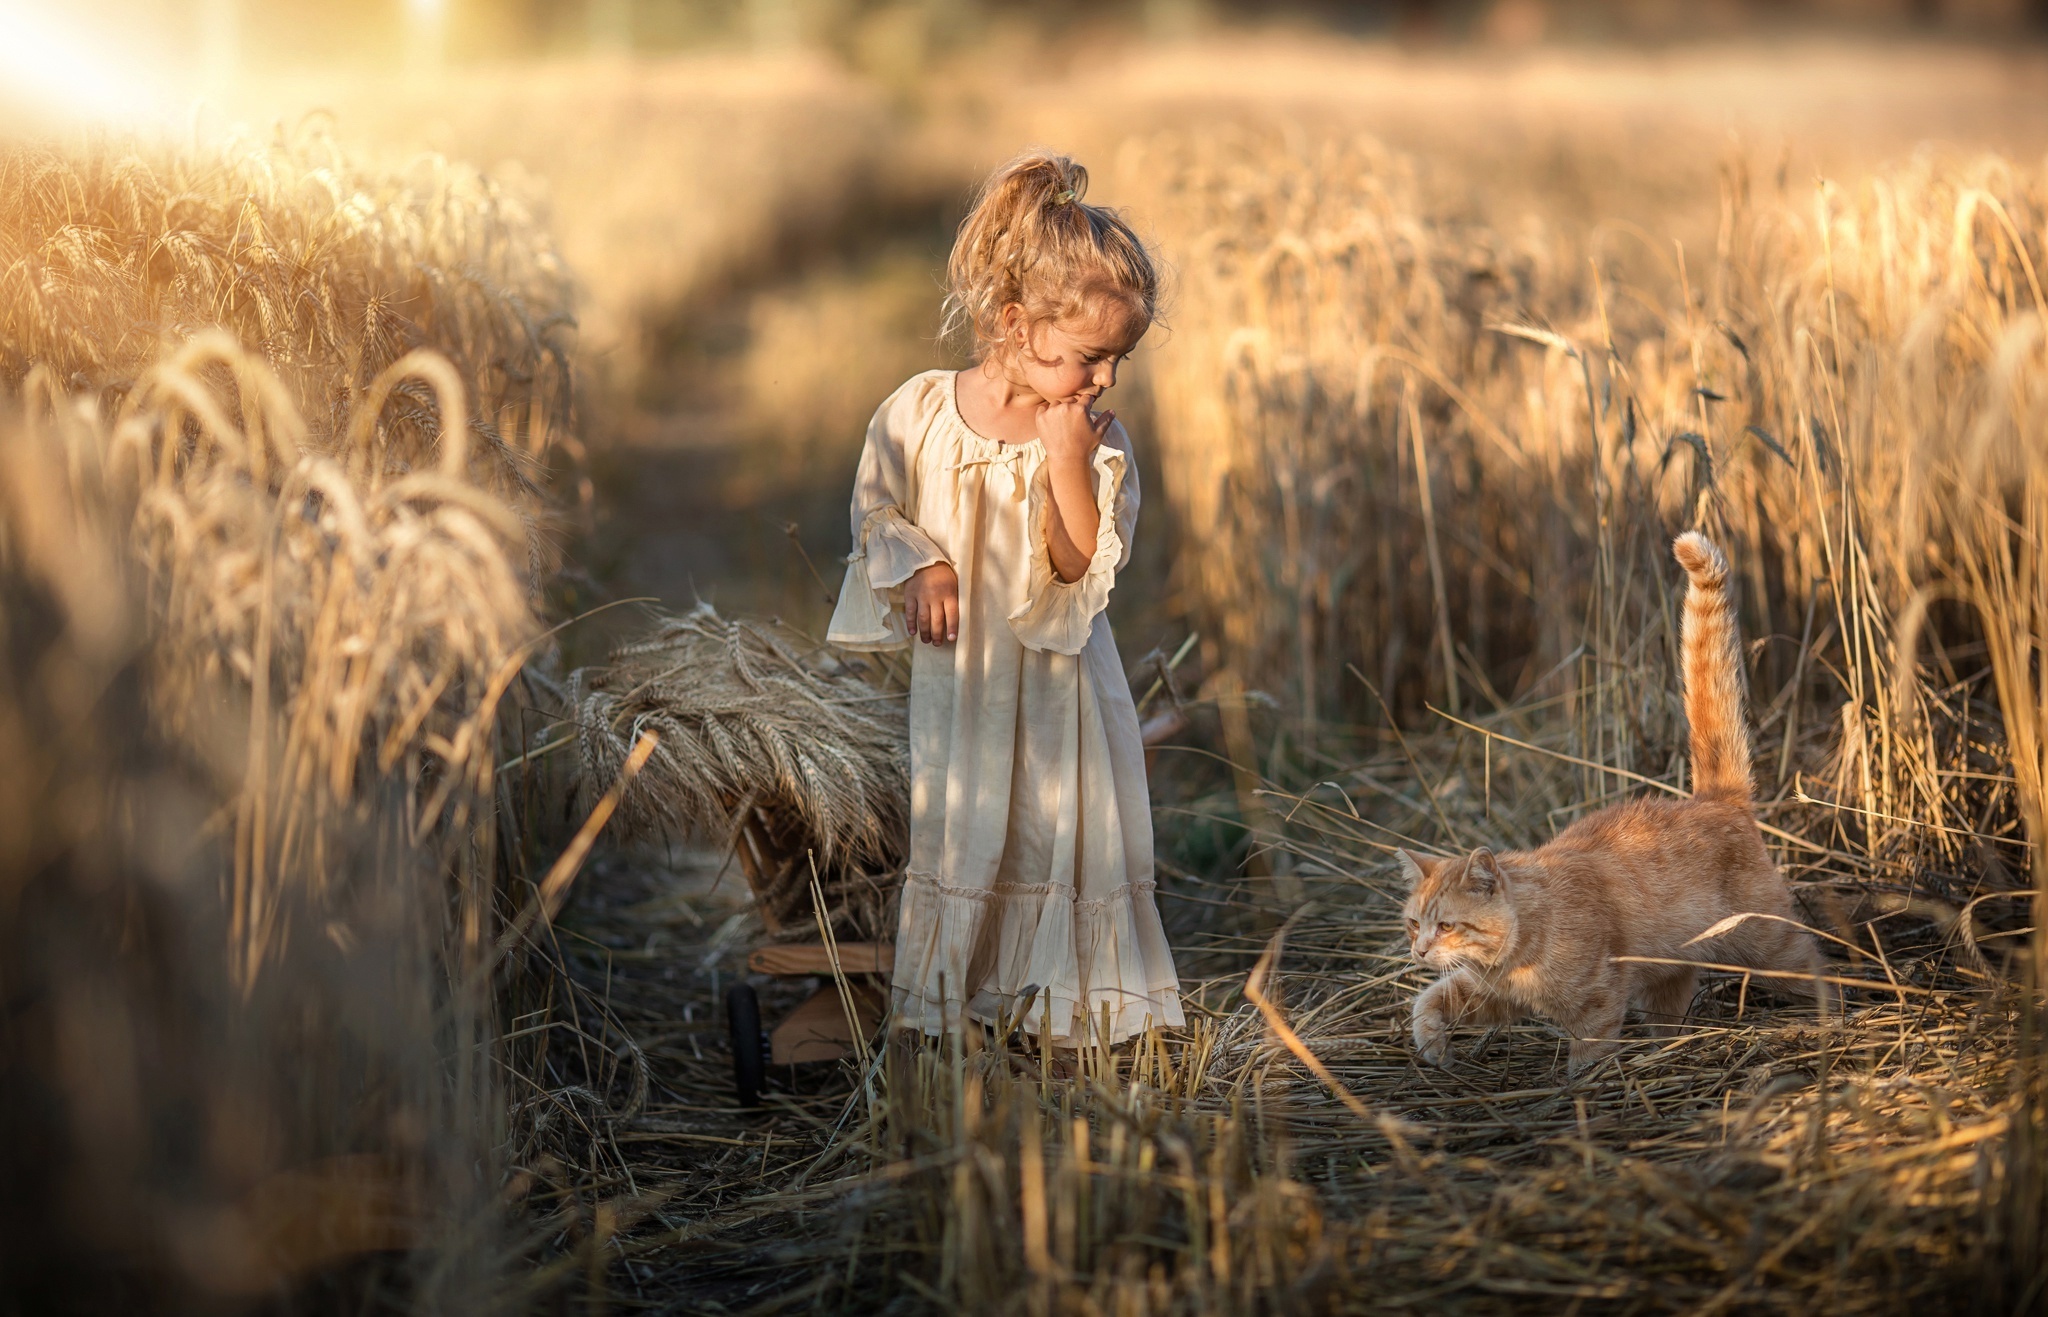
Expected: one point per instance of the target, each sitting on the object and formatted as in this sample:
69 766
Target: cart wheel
749 1044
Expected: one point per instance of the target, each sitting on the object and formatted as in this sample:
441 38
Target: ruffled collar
984 447
1018 463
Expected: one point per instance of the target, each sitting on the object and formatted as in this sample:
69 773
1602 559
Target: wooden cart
821 1028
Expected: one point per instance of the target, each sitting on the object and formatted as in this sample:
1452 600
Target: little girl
992 511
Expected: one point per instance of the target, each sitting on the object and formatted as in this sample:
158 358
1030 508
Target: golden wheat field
421 489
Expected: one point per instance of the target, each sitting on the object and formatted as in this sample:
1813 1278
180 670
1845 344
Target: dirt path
646 953
685 512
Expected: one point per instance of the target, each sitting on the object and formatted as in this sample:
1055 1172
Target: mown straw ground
1763 1161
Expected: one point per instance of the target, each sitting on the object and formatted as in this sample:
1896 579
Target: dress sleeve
1058 615
888 547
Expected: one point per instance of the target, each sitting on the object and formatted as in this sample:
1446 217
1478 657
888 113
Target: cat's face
1458 911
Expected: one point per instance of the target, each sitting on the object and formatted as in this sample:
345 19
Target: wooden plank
798 959
759 869
817 1030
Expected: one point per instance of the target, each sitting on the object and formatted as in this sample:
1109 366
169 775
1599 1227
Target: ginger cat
1536 933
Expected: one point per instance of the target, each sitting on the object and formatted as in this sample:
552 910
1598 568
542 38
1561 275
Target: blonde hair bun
1031 241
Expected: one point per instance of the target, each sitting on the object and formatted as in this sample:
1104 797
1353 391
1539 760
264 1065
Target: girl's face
1069 359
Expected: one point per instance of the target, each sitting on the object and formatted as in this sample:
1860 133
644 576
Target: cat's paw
1433 1043
1587 1053
1432 1032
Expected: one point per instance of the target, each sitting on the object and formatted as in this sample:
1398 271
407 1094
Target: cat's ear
1482 872
1413 868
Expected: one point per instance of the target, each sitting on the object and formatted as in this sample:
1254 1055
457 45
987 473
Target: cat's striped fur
1540 932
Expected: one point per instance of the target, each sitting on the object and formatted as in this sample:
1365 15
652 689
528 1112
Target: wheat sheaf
766 741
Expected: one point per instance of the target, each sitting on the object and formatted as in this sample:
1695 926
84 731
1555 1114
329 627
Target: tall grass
1433 456
269 574
1427 469
114 254
276 465
664 182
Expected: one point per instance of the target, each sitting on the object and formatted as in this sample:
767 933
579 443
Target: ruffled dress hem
1090 959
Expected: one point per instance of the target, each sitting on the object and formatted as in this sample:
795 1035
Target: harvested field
1386 424
1763 1161
349 835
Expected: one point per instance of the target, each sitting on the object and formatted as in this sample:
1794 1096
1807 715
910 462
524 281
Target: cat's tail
1713 681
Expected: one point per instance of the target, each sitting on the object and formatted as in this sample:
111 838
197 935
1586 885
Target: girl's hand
1070 432
931 604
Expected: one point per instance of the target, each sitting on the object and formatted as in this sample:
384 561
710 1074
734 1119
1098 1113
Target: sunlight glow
44 61
426 44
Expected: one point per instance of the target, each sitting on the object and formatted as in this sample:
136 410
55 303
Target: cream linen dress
1031 826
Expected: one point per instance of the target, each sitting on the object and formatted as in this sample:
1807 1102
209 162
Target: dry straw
665 182
327 274
330 541
304 548
1843 392
312 665
1362 400
764 732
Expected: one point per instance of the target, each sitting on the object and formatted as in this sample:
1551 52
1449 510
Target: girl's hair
1031 240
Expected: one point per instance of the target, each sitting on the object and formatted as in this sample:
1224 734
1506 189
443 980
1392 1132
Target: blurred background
1762 266
224 35
754 197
